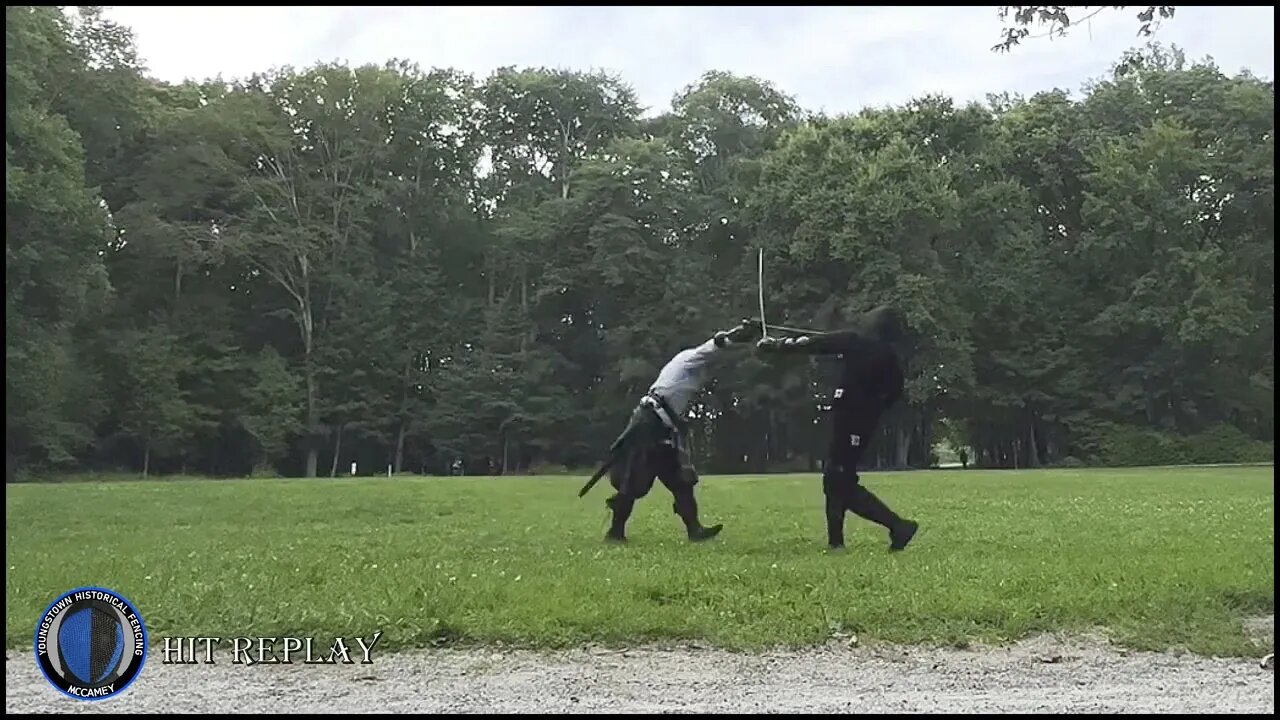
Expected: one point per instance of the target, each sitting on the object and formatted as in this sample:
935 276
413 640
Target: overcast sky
834 59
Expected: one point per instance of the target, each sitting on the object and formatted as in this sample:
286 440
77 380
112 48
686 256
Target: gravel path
1041 675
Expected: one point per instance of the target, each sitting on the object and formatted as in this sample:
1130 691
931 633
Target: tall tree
55 231
403 267
1059 19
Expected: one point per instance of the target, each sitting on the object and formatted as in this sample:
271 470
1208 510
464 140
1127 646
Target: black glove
746 331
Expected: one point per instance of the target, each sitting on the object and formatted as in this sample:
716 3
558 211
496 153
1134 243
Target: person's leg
839 463
844 491
620 506
833 492
865 504
632 474
680 478
632 478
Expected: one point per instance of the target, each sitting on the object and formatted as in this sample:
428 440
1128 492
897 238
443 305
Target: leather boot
866 505
621 507
686 506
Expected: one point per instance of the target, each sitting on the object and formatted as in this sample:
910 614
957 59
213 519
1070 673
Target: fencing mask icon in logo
91 643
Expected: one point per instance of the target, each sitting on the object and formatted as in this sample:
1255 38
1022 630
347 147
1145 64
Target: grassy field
1160 557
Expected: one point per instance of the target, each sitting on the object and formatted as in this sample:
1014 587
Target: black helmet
886 323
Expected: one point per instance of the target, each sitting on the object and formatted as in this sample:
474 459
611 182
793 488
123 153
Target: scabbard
619 448
613 457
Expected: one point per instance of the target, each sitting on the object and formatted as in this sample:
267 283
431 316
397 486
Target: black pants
654 453
843 488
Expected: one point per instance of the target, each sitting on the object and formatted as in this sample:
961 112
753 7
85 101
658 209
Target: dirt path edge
1042 674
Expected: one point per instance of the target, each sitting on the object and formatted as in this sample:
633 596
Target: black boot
686 506
621 507
866 505
902 534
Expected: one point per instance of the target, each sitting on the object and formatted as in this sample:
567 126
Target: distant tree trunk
404 409
492 289
524 288
504 453
146 457
904 446
313 419
1033 455
399 460
563 170
306 324
177 287
769 440
337 450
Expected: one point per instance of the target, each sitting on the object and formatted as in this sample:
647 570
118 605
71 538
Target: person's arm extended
740 334
698 356
743 332
831 343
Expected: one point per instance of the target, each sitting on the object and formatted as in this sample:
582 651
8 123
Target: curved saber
764 329
802 331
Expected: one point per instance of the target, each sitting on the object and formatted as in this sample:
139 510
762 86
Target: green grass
1158 557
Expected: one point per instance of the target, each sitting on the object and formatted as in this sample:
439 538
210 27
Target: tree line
402 267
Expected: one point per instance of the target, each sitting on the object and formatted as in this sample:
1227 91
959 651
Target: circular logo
91 643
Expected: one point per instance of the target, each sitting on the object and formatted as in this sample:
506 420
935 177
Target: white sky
837 59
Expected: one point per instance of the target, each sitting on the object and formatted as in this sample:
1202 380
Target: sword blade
764 329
